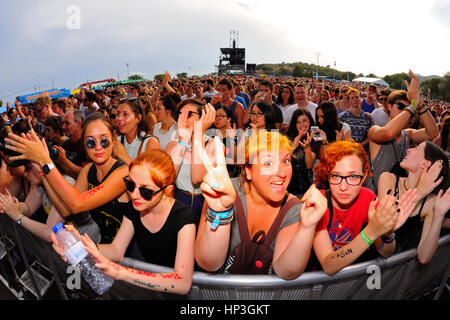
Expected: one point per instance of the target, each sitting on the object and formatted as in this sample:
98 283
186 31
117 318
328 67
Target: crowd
231 174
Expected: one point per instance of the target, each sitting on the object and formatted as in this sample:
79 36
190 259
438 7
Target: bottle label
76 253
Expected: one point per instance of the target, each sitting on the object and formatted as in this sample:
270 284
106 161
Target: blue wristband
184 144
218 217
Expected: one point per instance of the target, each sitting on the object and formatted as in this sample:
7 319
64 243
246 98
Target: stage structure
232 59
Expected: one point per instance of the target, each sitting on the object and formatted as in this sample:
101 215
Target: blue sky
39 50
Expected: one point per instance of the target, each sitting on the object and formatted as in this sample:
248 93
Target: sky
62 43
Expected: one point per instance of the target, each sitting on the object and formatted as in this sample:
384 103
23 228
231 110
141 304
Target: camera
52 151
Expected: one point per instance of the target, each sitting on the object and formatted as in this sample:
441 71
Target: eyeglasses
91 143
146 193
129 99
382 99
190 113
221 116
256 114
352 180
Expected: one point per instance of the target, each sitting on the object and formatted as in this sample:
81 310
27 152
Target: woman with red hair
163 228
340 236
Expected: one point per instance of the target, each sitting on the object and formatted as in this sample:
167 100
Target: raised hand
9 205
314 206
29 146
413 88
427 181
208 117
216 187
340 135
184 131
442 203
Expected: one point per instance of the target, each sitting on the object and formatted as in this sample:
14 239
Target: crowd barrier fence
400 277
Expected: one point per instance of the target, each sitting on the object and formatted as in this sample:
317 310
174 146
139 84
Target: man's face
41 111
300 94
354 99
223 89
69 126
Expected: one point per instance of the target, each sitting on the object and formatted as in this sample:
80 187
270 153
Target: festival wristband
412 105
184 144
366 238
219 218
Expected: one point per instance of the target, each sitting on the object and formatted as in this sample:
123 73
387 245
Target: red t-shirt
347 224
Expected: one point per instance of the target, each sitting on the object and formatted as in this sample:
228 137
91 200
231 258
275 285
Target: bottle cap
58 227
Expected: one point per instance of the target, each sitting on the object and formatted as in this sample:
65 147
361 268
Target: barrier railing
399 277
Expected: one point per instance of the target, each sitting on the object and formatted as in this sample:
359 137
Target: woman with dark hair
261 116
428 171
442 139
285 99
328 121
99 184
166 128
134 133
305 151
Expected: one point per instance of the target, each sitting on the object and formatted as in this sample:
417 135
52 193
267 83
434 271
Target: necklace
168 127
404 184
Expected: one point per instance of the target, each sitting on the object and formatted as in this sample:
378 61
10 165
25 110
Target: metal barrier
399 277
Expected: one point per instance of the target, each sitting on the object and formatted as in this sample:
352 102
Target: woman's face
303 124
98 131
320 116
221 120
285 94
127 122
257 117
346 192
140 175
415 158
160 112
271 175
32 174
195 115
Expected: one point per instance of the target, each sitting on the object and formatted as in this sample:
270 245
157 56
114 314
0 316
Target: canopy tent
375 81
54 93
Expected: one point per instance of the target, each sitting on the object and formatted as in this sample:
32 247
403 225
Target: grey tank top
390 152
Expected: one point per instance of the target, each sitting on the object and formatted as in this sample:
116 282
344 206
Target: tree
444 87
159 77
182 75
135 77
396 81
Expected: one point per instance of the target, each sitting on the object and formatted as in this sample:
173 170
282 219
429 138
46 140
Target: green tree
135 77
444 87
182 75
159 77
433 85
396 81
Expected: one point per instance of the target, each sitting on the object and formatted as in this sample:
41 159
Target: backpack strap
330 208
241 220
273 231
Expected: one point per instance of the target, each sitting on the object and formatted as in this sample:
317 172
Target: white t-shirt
133 147
284 111
186 97
379 117
311 107
165 136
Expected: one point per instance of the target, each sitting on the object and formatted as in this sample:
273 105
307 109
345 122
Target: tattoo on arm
341 253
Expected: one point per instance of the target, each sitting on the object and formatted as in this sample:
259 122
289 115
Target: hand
184 132
166 79
427 182
208 117
323 135
406 204
30 148
216 187
413 88
340 135
307 143
442 203
57 246
10 205
314 206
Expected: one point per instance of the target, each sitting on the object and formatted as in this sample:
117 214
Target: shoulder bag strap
273 231
241 219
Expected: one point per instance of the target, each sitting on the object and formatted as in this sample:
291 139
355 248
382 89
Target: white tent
375 81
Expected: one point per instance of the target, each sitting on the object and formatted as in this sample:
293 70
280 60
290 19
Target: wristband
366 238
19 221
389 239
184 144
308 151
219 218
425 111
412 105
411 111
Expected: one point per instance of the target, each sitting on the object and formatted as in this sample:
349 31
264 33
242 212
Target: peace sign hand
216 187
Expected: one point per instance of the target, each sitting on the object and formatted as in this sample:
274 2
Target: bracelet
425 111
219 218
366 238
389 239
19 221
184 144
411 112
307 151
412 105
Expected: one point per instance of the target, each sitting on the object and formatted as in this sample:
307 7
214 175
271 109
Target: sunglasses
382 99
91 143
190 113
401 106
146 193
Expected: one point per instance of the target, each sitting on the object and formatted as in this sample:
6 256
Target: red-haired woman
339 241
163 227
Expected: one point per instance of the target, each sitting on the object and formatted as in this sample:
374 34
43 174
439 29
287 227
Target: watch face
46 169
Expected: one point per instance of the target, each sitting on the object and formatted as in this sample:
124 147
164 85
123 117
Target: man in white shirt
208 90
380 115
302 102
189 89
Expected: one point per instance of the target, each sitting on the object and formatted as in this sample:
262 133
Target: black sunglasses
401 106
91 143
190 113
146 193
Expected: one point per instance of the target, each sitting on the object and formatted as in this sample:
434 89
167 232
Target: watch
19 221
47 168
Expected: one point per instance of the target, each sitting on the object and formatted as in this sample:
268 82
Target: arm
239 115
293 243
432 226
71 168
115 251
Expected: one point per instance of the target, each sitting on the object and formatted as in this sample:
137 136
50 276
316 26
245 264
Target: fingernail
396 203
398 210
395 193
214 185
389 191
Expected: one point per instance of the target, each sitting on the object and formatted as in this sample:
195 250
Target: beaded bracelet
425 111
366 238
219 218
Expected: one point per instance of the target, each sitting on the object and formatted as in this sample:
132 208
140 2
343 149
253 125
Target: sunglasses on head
146 193
91 143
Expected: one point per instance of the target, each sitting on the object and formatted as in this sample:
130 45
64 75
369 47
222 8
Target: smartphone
315 131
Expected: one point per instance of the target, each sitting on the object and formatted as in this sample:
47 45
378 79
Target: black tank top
408 235
108 216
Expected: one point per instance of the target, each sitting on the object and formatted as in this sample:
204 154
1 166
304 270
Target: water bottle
77 255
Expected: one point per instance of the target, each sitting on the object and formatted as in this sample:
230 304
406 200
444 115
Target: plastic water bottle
77 255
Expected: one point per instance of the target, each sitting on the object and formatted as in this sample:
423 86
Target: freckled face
127 121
